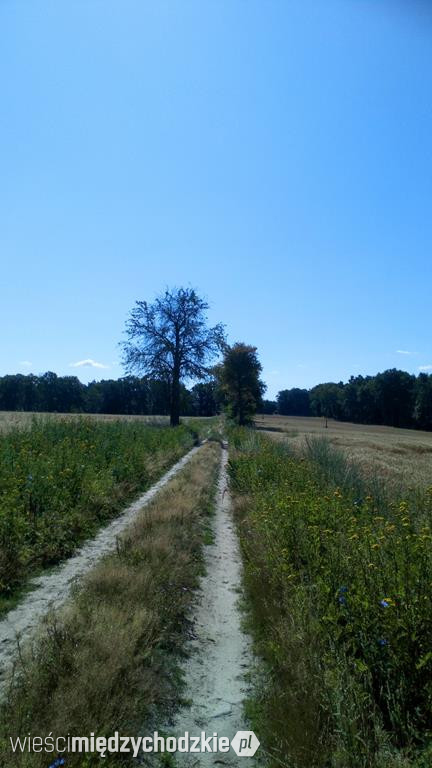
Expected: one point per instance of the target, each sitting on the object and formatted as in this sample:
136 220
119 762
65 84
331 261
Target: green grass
110 661
339 582
61 480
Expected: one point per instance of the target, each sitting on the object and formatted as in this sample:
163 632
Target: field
335 529
14 419
338 570
11 419
62 479
399 456
110 659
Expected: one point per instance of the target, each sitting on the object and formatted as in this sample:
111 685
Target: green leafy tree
268 407
170 340
204 398
326 400
423 402
239 376
293 402
396 397
360 400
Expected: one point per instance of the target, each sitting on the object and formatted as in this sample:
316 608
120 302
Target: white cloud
88 364
403 352
425 368
26 363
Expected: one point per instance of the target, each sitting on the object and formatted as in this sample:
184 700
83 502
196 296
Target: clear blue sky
276 155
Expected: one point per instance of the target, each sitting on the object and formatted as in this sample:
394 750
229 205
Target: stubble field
398 456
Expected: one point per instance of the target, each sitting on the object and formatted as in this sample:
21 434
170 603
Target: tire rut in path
221 655
52 589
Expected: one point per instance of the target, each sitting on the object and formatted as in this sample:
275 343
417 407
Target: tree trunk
175 388
175 400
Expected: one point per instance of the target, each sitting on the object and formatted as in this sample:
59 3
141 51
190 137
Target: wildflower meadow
340 583
60 480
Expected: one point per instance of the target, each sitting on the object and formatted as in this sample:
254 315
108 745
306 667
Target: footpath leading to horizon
221 655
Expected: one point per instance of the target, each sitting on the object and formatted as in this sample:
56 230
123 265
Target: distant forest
129 395
394 398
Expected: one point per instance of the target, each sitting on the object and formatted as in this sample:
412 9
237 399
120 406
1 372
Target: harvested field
401 456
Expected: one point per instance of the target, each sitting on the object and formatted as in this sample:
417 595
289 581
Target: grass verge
109 662
338 583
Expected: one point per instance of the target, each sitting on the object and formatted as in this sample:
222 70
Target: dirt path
52 589
220 653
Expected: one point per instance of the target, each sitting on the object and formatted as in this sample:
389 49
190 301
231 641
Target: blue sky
276 155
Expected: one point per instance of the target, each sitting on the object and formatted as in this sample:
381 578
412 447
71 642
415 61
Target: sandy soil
52 589
220 653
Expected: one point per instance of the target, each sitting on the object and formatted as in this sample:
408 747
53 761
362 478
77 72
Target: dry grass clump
109 661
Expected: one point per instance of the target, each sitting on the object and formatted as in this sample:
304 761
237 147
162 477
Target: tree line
393 398
128 395
235 388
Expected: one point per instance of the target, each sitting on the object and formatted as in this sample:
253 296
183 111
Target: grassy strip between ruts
109 661
61 480
339 588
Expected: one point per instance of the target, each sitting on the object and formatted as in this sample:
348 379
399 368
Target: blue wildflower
57 762
384 604
341 595
382 642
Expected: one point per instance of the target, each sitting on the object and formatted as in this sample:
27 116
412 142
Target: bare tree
170 340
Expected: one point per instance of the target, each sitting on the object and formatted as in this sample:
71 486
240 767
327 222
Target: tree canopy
239 376
293 402
171 341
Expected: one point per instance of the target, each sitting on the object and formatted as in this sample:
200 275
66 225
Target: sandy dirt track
220 651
